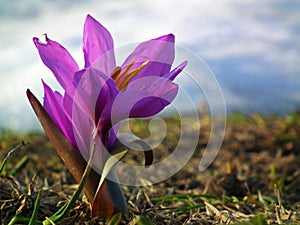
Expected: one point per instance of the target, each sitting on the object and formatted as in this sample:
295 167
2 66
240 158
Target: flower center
123 77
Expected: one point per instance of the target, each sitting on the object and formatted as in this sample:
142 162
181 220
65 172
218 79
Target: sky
251 48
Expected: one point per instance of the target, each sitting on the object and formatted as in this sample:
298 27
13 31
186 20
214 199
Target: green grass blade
116 219
9 155
62 212
141 220
20 165
22 220
32 220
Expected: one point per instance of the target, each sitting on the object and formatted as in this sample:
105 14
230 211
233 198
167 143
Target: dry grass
254 180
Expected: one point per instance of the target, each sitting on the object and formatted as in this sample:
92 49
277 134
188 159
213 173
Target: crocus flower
97 97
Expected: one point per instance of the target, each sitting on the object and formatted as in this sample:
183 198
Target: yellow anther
125 71
122 78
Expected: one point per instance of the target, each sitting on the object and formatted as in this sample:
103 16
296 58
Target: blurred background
252 47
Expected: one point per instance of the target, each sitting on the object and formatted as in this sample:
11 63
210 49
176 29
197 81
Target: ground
255 178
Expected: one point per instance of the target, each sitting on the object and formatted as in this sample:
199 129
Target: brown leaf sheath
69 155
109 200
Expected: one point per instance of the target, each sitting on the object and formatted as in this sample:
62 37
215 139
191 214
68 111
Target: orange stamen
122 78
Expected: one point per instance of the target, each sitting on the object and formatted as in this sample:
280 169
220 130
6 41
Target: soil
255 172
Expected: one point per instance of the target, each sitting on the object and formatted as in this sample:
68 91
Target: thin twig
11 153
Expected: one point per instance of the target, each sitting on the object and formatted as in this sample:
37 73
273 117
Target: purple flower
97 97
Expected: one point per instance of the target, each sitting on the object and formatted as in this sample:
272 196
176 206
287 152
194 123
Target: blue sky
252 47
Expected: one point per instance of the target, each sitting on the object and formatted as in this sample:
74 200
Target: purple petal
59 61
68 104
113 134
143 98
94 91
83 127
159 52
98 46
53 104
173 74
87 139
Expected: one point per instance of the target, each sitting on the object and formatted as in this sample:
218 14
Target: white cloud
236 39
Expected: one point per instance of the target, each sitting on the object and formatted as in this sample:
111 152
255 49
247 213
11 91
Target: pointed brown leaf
103 205
69 155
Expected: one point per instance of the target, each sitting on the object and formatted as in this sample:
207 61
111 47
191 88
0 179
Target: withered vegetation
255 179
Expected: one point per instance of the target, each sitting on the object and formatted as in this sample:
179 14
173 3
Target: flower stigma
122 78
